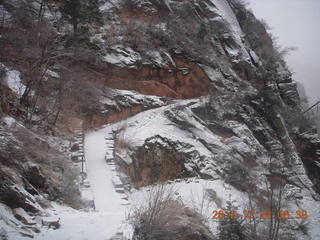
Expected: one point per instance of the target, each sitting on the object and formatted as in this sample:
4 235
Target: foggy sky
297 24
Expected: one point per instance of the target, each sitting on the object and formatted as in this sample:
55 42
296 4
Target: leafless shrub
162 217
70 190
204 200
134 33
272 199
157 210
121 142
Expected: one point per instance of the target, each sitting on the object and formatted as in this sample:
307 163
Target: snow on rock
9 121
176 127
289 91
123 98
255 58
224 10
244 141
20 214
124 155
307 203
126 57
154 122
159 58
155 57
109 4
6 215
9 224
30 201
53 74
122 56
13 81
6 16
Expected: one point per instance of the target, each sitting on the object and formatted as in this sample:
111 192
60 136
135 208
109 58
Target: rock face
24 173
308 146
157 160
229 56
179 79
241 123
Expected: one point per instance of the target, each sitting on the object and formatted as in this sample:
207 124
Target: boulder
51 222
75 147
26 233
35 177
15 196
22 216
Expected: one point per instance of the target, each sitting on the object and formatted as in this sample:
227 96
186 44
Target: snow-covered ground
81 225
108 219
204 196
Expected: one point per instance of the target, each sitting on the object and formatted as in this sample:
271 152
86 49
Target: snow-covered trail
109 217
81 225
100 174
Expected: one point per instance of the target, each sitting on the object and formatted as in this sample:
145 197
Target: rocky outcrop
308 145
99 119
15 196
26 174
184 79
158 160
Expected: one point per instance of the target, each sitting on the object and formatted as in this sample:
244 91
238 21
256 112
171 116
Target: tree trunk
75 25
41 11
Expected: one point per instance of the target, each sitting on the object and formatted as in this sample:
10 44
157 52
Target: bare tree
276 188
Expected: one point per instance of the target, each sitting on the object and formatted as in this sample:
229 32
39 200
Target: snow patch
225 11
9 121
109 4
13 81
122 56
123 98
53 74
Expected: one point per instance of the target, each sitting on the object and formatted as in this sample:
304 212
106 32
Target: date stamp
261 215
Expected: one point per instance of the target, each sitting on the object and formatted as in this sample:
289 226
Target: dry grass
162 217
121 142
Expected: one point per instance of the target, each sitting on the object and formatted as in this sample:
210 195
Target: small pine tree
230 229
81 11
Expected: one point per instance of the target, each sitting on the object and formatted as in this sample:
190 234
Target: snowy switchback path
109 217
